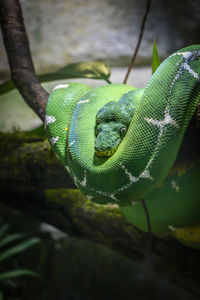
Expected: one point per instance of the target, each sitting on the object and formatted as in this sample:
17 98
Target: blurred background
63 32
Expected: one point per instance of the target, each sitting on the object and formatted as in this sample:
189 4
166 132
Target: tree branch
19 56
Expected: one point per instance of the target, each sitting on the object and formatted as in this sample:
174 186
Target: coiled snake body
119 143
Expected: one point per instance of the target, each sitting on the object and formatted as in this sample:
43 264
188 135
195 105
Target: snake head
112 122
108 137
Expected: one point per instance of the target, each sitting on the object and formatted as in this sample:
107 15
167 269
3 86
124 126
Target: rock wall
62 32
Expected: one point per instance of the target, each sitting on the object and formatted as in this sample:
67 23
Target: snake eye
123 130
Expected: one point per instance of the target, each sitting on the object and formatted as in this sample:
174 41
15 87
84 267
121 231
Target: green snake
119 143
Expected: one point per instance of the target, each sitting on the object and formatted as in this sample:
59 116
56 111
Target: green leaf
19 248
156 58
92 70
17 273
11 238
1 295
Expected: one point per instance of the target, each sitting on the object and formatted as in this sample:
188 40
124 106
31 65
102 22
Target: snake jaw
106 152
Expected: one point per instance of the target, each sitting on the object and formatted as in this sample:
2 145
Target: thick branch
19 56
33 181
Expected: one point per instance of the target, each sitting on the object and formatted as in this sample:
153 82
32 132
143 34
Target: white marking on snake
67 168
112 196
175 78
149 162
83 101
145 174
185 54
185 65
175 186
161 123
49 120
75 179
61 86
54 139
190 70
72 143
134 202
172 227
131 177
91 189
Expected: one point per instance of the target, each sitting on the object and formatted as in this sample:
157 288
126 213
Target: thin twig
139 41
149 244
147 216
19 56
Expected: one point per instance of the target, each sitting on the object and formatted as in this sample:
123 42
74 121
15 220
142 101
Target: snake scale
119 143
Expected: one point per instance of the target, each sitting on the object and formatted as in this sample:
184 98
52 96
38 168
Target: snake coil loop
119 143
